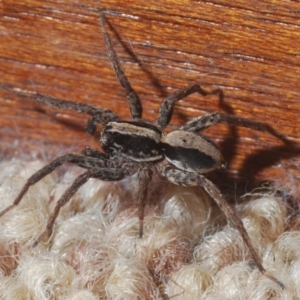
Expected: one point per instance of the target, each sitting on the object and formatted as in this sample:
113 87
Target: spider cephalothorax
138 141
181 156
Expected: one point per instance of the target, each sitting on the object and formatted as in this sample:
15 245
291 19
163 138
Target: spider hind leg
208 120
184 178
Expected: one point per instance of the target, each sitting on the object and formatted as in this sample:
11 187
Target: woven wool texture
188 250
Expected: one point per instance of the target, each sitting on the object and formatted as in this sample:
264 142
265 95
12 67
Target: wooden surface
250 49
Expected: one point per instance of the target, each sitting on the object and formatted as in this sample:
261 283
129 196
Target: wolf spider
137 146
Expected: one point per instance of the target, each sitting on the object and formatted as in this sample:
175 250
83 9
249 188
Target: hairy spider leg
167 105
88 151
131 95
113 174
97 169
185 178
99 114
144 175
200 123
78 159
79 181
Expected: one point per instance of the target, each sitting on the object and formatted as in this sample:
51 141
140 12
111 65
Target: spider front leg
78 159
99 114
88 151
184 178
166 107
106 174
132 97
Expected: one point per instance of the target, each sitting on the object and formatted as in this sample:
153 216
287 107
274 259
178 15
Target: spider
181 156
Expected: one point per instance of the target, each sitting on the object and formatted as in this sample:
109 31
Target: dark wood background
250 49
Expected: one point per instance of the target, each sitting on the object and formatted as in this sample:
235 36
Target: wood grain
250 49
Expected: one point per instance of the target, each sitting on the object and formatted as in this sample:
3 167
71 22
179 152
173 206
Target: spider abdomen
139 141
191 152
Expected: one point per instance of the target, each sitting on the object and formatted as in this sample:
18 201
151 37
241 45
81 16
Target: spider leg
200 123
166 107
132 97
78 159
94 153
101 173
99 114
144 175
184 178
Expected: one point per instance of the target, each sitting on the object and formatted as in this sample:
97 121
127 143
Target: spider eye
224 165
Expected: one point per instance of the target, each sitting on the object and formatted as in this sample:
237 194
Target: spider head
138 141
